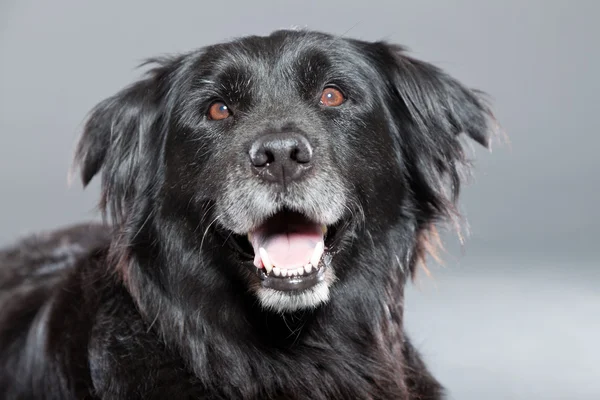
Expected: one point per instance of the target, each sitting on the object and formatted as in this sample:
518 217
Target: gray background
515 313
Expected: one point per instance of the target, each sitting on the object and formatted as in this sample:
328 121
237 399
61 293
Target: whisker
206 230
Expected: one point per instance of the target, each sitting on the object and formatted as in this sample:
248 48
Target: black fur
157 306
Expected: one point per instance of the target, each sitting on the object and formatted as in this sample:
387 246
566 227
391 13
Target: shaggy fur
160 304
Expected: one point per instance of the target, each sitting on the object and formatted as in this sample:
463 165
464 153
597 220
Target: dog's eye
218 111
332 97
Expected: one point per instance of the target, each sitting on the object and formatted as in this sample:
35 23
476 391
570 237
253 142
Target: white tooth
324 229
293 272
300 271
265 259
317 253
308 268
276 271
284 272
250 237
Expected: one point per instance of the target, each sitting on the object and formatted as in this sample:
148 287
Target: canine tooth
317 253
250 237
265 259
258 261
308 268
324 229
276 271
284 272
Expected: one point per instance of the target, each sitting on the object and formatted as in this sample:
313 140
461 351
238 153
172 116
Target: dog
265 202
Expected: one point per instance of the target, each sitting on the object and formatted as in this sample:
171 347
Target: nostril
260 156
302 153
259 159
269 156
301 156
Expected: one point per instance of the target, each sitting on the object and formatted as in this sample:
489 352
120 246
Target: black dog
269 199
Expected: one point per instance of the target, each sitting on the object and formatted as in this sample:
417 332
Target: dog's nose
281 157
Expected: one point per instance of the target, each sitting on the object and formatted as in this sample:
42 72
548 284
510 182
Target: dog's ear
431 110
113 125
118 131
437 103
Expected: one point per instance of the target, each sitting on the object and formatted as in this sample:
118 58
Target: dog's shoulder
39 292
38 259
69 328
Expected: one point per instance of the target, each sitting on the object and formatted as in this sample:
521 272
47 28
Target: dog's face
275 160
276 134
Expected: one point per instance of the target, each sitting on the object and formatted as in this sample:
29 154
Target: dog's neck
197 318
361 318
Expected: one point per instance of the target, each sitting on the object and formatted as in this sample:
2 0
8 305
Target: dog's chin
289 301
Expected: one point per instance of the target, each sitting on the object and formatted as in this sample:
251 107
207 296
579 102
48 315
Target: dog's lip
294 283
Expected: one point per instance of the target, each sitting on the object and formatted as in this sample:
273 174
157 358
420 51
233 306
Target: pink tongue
288 250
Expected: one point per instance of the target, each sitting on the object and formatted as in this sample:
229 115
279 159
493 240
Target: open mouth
288 251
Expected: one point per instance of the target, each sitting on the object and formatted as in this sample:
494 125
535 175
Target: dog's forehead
279 57
284 67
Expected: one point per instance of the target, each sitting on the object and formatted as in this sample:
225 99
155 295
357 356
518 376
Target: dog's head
284 165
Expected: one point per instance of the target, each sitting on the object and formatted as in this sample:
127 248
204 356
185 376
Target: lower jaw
294 283
291 301
295 293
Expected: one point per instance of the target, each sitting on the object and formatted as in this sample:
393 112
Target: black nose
281 157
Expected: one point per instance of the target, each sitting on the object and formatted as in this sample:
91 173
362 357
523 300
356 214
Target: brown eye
218 111
332 97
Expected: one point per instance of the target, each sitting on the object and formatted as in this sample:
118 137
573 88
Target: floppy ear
117 132
431 110
438 103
